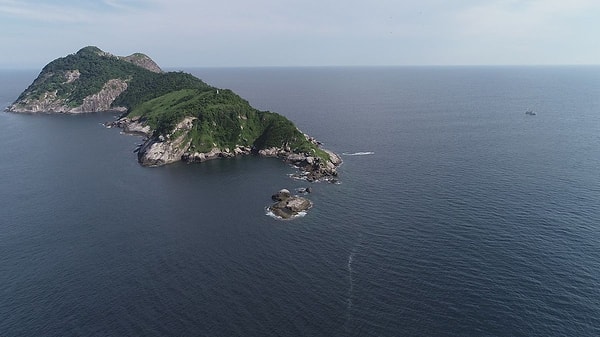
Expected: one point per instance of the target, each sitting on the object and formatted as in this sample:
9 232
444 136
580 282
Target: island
181 117
288 206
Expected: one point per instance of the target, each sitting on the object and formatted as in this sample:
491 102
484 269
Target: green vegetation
223 120
162 100
96 68
151 85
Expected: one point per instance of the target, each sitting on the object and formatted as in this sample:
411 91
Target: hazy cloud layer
308 32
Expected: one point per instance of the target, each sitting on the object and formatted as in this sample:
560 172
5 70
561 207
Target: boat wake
350 295
350 279
367 153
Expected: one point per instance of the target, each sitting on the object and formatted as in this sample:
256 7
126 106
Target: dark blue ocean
457 213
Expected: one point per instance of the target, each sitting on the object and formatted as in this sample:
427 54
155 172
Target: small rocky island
288 206
181 117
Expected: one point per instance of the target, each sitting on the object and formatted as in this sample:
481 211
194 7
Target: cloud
68 11
307 32
132 5
522 18
42 12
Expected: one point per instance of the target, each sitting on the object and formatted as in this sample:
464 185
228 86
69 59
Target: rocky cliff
51 102
88 81
144 61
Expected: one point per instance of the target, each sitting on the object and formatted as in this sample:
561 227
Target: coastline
163 150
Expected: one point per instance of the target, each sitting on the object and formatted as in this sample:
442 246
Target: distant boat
530 112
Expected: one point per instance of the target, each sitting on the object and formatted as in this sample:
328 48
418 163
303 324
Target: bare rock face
143 61
333 158
160 151
50 103
72 76
315 168
102 100
214 153
157 151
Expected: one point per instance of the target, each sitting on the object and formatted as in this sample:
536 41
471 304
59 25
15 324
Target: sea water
457 214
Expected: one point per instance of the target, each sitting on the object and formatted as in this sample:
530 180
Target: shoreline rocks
162 150
312 168
131 126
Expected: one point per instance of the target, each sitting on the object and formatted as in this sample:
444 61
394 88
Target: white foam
272 215
296 176
366 153
350 278
350 294
300 215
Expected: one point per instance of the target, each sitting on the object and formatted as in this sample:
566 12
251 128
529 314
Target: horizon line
176 68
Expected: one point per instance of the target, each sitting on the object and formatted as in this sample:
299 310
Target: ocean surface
457 214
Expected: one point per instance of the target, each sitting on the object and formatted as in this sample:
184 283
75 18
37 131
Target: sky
251 33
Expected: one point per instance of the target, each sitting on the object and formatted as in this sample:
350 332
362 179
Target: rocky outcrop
144 61
282 195
103 100
45 103
214 153
139 59
132 126
72 76
49 102
161 150
288 206
312 168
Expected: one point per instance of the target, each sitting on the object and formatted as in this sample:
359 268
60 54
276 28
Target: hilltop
182 117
